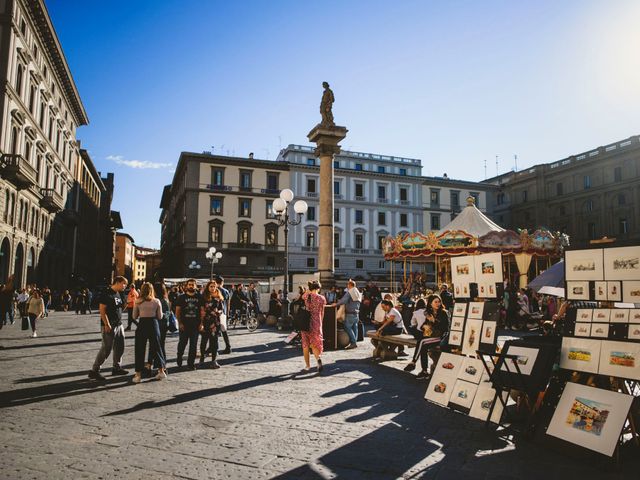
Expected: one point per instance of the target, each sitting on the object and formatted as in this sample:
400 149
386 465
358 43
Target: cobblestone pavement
256 417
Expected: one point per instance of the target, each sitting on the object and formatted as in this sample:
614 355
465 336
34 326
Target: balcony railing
17 170
231 188
405 202
361 199
51 200
383 200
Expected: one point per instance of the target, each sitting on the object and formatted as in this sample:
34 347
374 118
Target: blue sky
450 82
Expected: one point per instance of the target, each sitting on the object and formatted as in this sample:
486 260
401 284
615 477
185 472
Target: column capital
327 138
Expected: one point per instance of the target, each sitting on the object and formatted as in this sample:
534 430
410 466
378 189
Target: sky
453 83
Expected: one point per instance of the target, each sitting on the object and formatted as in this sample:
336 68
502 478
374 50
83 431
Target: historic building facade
125 255
588 195
40 110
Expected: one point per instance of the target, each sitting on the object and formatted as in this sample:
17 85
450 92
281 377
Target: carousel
524 254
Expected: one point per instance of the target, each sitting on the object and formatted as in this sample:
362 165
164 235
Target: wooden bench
385 345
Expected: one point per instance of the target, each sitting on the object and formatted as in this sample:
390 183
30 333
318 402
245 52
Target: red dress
315 304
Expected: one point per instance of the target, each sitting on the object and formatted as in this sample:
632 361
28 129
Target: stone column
326 139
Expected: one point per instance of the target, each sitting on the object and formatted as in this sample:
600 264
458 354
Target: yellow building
125 251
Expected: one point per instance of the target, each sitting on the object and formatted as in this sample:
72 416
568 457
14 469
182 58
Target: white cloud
140 164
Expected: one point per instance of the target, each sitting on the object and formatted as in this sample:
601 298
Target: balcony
245 246
359 251
405 202
383 200
18 171
360 199
51 200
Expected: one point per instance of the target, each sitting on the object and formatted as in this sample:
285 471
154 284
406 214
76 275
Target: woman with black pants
148 310
210 321
161 294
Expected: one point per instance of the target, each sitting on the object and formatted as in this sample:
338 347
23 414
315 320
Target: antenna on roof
485 168
497 166
515 160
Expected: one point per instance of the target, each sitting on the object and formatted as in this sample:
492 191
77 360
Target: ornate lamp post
194 267
214 257
281 210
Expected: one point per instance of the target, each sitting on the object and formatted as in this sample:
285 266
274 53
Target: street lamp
214 257
194 267
281 210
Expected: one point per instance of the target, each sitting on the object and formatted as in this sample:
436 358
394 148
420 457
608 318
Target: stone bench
385 346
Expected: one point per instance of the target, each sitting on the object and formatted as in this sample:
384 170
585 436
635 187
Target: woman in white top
35 310
148 309
392 324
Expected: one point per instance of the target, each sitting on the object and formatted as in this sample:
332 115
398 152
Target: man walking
223 318
111 304
188 314
351 300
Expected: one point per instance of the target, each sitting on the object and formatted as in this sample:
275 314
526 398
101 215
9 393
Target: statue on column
326 105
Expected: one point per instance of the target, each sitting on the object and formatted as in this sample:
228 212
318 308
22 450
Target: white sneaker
161 375
34 335
137 378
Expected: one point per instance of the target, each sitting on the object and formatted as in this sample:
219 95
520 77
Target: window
382 218
272 182
359 190
617 174
382 192
311 185
217 177
525 195
336 240
271 235
359 263
404 222
591 230
476 198
311 162
336 215
336 188
311 262
435 221
358 167
403 172
23 27
403 194
336 164
215 232
623 226
455 199
380 241
311 239
380 169
19 80
359 241
243 260
270 213
311 213
562 210
42 108
244 234
559 188
588 206
216 206
435 197
244 207
621 199
381 265
359 216
587 181
245 180
32 98
336 263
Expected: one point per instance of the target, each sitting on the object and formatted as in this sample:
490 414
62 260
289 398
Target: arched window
27 151
32 98
14 140
7 205
19 76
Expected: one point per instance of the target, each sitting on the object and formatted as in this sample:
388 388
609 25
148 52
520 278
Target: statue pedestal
326 139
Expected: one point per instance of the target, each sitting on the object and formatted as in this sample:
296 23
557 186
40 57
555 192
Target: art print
489 332
471 339
489 268
578 290
584 315
580 354
463 394
619 315
471 370
459 309
622 263
600 330
457 323
601 315
620 359
455 338
601 291
584 265
634 331
526 359
485 396
462 290
449 363
634 315
631 292
441 387
463 270
614 291
475 310
582 330
590 417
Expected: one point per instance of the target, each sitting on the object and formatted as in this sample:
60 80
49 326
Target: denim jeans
148 330
351 327
113 340
189 335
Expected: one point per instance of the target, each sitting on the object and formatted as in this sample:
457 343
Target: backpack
302 318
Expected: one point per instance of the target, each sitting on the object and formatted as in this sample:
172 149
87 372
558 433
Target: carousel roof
472 221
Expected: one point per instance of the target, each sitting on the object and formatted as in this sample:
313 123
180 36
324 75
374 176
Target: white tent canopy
472 221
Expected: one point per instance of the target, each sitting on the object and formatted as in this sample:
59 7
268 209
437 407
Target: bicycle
245 316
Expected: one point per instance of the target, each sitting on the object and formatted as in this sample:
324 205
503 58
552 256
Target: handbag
25 323
173 323
302 318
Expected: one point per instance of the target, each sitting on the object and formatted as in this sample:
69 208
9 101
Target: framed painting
489 332
601 291
471 338
448 362
463 394
475 310
622 263
460 309
600 330
620 359
577 290
614 291
441 387
584 265
619 315
462 290
463 270
582 330
601 315
590 417
525 361
634 331
471 370
455 338
485 396
631 292
584 315
580 354
457 324
488 268
634 315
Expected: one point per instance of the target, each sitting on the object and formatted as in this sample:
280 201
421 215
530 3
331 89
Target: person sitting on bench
434 327
392 324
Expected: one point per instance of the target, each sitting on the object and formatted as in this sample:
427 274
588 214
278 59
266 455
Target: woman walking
210 311
161 293
313 338
35 310
148 311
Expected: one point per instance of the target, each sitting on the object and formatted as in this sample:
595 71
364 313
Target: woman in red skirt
313 338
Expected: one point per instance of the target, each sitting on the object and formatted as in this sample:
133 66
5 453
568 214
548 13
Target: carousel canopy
472 221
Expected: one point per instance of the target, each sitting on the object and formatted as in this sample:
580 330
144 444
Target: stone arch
5 260
18 266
